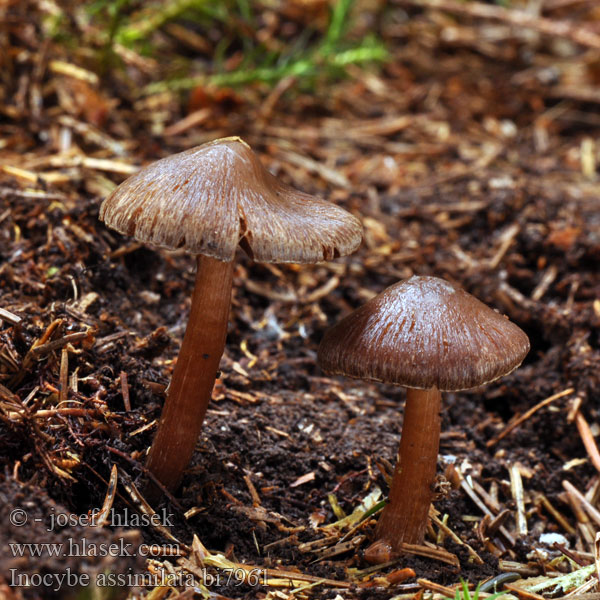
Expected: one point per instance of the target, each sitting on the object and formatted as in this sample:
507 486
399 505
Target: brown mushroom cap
422 333
209 199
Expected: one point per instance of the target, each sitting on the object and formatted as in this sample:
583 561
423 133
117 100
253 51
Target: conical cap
211 198
424 332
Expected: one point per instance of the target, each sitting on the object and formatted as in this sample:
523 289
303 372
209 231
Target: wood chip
6 315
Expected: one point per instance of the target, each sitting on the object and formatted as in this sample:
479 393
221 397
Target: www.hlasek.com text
83 547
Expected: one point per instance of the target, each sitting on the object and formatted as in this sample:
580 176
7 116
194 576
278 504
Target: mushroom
207 200
428 335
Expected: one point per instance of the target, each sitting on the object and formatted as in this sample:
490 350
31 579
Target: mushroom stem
404 518
194 376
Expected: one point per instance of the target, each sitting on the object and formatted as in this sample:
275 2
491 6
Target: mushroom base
404 519
194 376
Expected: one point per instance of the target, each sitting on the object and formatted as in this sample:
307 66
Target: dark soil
439 195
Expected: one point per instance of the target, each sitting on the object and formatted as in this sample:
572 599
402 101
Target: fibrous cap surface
424 332
211 198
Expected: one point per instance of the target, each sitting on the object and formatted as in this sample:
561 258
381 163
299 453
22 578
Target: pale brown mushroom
208 200
428 335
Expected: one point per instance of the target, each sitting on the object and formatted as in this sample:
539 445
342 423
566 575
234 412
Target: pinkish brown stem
404 518
194 376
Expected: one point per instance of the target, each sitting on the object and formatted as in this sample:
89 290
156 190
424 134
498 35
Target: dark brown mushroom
208 200
430 336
